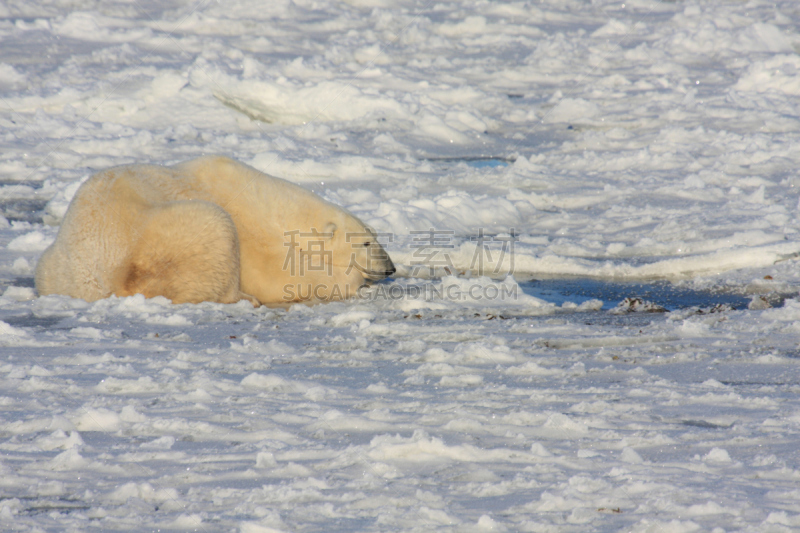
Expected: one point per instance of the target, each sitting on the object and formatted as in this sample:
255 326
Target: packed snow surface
493 145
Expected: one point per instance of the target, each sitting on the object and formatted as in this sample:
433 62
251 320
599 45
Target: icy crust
614 140
138 412
456 295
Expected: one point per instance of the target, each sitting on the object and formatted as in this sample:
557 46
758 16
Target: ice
528 165
35 241
778 74
286 104
12 78
575 110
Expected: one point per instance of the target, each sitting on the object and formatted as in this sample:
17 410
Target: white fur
210 229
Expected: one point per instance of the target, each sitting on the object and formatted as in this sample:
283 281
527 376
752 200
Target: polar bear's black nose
390 269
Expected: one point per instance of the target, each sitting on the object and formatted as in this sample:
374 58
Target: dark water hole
611 293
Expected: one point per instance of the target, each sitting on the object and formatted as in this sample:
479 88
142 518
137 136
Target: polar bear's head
334 261
356 249
367 255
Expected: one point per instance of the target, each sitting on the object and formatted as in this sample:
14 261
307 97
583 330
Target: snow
620 142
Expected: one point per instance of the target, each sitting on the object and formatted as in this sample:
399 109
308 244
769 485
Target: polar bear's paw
187 251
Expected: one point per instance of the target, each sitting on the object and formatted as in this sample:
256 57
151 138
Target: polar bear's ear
329 230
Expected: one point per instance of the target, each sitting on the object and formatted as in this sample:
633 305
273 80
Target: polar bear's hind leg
187 251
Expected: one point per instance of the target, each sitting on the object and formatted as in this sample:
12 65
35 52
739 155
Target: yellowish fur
210 229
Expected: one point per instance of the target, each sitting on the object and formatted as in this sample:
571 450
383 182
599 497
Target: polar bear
209 229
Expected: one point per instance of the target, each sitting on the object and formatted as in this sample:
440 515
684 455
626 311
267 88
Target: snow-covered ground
620 141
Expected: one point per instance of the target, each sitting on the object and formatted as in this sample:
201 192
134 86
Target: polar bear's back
228 176
253 199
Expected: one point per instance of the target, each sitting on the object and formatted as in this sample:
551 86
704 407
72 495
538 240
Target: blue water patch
475 161
612 293
487 163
